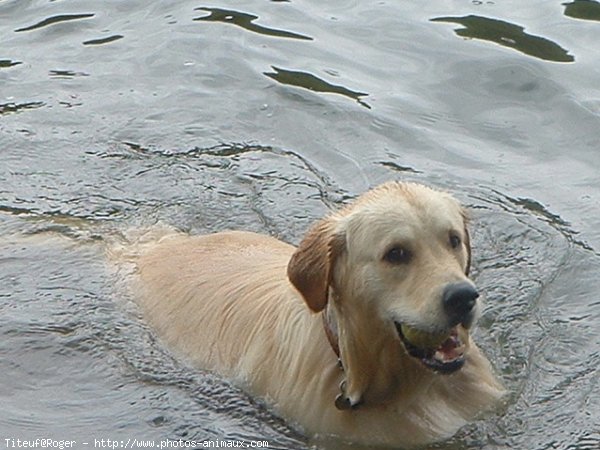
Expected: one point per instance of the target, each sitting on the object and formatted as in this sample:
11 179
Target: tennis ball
423 339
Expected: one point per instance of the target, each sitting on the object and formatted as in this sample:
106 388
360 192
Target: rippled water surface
262 115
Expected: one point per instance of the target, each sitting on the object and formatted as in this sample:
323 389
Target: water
262 116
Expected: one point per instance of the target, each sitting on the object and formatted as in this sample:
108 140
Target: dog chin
444 358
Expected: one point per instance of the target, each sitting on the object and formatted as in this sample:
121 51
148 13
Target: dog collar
330 327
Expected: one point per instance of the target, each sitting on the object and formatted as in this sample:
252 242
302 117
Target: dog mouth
443 353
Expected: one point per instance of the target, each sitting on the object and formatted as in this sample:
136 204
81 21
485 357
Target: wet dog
361 332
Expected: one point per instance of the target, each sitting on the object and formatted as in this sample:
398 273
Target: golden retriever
362 332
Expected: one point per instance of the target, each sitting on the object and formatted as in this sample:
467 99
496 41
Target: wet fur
249 307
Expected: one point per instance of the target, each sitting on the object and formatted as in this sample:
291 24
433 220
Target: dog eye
455 241
397 255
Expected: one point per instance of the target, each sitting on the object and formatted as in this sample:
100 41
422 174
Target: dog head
392 268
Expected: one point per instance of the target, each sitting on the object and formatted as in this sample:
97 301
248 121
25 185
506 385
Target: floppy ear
311 266
467 243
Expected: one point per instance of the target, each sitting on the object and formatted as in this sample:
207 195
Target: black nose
459 300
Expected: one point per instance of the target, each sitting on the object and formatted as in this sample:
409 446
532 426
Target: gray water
263 115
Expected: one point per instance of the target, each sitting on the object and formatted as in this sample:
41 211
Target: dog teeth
450 354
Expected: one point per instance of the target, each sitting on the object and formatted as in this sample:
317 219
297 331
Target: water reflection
534 208
245 21
66 74
313 83
5 63
537 209
583 9
55 19
105 40
508 35
398 168
9 108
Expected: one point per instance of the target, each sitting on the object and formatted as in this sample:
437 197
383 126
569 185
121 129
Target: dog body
321 332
